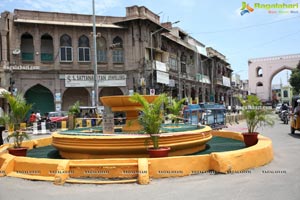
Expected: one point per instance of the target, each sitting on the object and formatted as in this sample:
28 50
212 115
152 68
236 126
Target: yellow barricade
79 122
88 123
64 125
23 126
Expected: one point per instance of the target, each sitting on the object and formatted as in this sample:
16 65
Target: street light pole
202 76
151 52
95 59
202 85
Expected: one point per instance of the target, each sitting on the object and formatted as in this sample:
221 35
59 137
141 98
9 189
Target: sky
214 23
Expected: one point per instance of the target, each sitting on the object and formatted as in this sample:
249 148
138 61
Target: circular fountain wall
85 145
128 144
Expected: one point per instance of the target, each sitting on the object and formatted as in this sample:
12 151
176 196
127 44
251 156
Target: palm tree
175 107
152 115
18 109
255 114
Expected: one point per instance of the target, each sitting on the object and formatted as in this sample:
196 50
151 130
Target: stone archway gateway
261 71
71 95
41 98
110 91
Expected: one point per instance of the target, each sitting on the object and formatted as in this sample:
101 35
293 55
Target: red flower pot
22 151
157 153
250 139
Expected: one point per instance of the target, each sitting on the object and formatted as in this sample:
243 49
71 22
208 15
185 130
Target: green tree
295 79
175 107
152 115
255 114
18 108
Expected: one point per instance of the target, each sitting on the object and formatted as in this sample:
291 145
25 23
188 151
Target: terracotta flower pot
22 151
250 139
157 153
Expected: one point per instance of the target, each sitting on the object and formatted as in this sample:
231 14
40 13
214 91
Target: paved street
278 180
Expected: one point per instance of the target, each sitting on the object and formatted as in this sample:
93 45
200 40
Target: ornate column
188 91
197 93
4 45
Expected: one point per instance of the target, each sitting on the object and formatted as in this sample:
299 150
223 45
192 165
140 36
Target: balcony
46 57
27 57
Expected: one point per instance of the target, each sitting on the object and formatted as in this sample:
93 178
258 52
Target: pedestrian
32 118
38 116
297 108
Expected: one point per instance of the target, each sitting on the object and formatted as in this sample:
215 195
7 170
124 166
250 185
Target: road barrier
234 118
47 127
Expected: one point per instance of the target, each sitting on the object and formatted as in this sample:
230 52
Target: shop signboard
87 80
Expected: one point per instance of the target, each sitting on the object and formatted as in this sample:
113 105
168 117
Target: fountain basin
128 145
123 104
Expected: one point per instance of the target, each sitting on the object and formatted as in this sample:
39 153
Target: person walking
32 118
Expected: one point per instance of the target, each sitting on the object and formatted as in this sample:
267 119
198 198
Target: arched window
259 72
83 49
101 50
285 93
183 63
66 50
27 48
118 52
259 84
46 48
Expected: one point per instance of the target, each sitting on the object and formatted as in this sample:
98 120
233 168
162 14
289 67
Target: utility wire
268 42
245 27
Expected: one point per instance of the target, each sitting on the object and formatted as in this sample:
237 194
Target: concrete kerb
139 170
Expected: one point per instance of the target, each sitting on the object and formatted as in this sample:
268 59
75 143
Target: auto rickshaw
295 118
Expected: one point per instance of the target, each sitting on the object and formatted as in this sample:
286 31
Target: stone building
48 56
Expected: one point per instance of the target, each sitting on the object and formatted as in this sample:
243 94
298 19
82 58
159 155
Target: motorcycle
285 116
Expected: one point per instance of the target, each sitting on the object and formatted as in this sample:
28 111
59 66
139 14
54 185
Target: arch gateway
261 71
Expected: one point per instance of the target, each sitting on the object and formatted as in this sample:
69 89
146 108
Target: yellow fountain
127 144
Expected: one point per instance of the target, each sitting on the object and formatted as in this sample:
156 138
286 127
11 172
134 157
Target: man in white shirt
38 116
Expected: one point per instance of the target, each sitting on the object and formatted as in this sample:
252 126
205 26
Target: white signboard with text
226 81
160 66
87 80
162 77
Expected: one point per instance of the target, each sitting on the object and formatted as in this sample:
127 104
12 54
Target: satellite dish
16 51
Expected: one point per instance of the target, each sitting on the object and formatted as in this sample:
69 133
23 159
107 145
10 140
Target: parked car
58 116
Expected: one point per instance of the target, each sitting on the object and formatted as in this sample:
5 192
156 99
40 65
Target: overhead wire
246 27
268 42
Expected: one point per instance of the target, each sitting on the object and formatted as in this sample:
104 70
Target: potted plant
74 110
256 116
151 119
18 111
175 107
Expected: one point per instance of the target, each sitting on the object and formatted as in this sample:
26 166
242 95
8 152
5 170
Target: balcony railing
27 56
46 57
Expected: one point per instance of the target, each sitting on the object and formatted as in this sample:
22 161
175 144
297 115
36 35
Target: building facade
49 57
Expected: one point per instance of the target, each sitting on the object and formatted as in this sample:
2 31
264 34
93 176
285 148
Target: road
278 180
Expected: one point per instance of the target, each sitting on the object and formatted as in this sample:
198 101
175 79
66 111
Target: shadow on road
295 135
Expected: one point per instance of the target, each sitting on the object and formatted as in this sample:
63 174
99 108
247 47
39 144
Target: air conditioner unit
16 51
